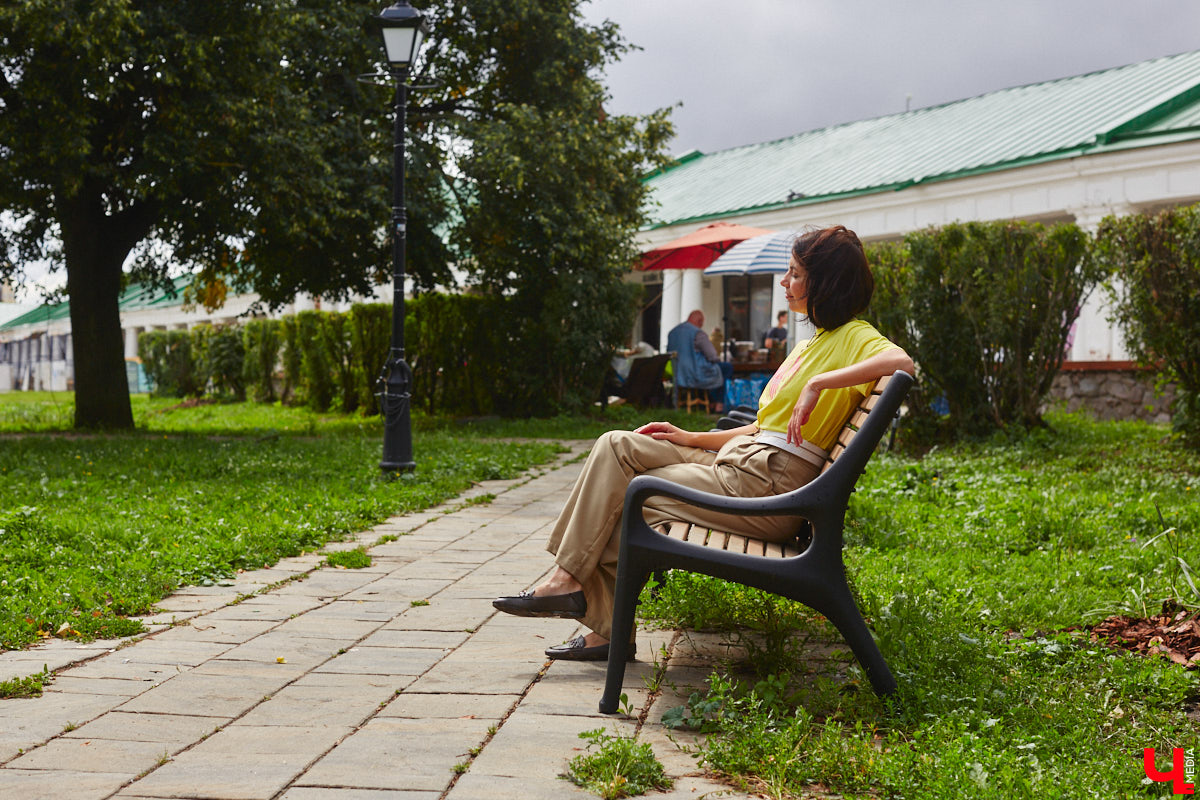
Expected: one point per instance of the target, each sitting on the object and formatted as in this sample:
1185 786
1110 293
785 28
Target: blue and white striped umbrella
770 252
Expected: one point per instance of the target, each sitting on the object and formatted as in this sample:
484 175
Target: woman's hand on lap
664 430
804 406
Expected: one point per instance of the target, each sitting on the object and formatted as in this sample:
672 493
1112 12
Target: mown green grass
976 565
94 529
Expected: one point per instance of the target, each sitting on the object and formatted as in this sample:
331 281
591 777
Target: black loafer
567 606
577 650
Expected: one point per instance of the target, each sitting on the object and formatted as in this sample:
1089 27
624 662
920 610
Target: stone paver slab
473 786
174 731
438 640
540 745
399 753
450 706
314 793
349 704
328 627
205 695
384 661
92 755
41 785
207 629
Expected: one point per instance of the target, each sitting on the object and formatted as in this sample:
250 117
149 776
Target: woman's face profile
795 287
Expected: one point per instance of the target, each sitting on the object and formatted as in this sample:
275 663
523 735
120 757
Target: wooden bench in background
808 569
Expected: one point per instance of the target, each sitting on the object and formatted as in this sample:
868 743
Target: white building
1077 149
36 351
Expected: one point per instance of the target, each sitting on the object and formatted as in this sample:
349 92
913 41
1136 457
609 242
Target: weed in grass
349 559
28 686
620 767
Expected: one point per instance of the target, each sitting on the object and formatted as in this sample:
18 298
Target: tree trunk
94 252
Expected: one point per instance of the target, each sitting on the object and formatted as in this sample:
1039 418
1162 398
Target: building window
748 307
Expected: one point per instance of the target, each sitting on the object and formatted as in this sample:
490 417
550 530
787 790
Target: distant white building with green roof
1077 149
36 351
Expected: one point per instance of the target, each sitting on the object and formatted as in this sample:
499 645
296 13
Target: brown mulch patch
1174 634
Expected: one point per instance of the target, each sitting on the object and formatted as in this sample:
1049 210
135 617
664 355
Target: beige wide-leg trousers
586 539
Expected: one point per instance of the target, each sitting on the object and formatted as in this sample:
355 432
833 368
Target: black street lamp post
403 29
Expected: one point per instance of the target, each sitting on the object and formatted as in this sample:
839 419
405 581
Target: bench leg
629 586
845 616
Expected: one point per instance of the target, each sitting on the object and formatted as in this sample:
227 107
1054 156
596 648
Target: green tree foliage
548 186
223 135
986 309
1154 262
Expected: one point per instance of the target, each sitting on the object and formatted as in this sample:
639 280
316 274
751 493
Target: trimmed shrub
335 342
316 367
457 352
370 340
261 341
225 361
292 393
167 358
986 309
1154 263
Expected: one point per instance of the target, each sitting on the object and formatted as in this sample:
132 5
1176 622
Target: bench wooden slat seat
810 571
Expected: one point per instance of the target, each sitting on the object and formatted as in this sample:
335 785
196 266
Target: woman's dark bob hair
838 280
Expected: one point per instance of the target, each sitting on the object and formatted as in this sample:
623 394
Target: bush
261 340
1154 262
985 309
292 378
316 365
224 361
370 340
458 352
335 342
167 358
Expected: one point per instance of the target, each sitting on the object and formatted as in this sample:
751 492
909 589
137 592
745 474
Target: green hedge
1155 299
334 360
985 310
167 358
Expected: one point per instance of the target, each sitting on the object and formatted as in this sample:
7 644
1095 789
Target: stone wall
1123 393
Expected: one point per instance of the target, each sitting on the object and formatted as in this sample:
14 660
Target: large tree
549 187
225 136
232 138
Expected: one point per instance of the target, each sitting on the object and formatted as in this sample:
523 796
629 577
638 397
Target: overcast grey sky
750 71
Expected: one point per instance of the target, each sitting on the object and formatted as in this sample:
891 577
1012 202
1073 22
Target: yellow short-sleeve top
853 342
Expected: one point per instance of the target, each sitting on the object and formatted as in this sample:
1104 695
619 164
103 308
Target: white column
691 295
1094 338
671 298
131 341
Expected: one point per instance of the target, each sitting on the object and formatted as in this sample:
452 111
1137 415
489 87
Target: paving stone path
303 682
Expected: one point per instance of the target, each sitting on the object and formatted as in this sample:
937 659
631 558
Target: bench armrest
798 502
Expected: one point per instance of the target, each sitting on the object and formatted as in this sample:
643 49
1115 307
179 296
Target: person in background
777 336
697 364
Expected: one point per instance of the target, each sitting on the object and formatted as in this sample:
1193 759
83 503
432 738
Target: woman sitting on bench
800 412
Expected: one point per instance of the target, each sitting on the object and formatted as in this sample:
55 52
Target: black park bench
810 571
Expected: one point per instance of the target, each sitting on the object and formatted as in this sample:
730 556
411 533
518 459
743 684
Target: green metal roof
1133 106
135 297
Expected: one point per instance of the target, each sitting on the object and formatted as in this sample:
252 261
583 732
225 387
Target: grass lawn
978 565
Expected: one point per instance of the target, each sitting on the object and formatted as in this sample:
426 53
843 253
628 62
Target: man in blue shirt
697 365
